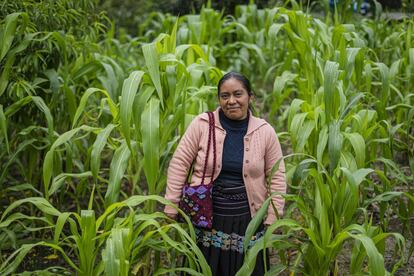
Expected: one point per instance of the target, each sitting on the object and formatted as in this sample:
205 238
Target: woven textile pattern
197 201
196 204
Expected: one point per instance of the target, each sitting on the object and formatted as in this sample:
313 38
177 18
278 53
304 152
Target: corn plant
132 236
325 224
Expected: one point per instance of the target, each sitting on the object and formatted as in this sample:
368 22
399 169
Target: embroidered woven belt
231 192
230 199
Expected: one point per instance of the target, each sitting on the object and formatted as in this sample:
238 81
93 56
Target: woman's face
234 99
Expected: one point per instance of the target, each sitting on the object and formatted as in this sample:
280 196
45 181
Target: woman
246 150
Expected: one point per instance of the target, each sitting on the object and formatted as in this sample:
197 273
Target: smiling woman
234 95
244 150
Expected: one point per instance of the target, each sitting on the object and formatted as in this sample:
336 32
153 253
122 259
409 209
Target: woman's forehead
232 84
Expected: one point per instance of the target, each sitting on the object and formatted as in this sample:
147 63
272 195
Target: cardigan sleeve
278 180
181 163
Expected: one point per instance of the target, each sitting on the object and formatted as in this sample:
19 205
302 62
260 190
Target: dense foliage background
94 97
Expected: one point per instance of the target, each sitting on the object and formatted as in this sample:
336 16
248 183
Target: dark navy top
233 150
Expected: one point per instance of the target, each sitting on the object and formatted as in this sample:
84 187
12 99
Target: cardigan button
247 161
247 149
245 175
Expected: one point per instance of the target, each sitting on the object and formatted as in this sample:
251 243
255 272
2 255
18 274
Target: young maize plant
126 238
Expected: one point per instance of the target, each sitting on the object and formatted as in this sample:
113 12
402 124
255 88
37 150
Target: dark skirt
222 246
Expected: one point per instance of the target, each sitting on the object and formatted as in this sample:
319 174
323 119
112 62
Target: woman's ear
251 98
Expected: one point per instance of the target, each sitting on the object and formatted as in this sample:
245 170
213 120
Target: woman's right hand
171 216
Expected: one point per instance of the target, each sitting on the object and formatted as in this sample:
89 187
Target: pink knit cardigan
261 151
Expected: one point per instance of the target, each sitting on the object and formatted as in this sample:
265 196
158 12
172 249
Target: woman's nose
232 99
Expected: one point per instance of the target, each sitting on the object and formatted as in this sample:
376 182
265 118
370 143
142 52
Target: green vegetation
90 119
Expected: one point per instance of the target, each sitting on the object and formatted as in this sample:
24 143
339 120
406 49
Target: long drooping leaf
41 203
45 110
48 162
375 259
59 180
84 100
9 266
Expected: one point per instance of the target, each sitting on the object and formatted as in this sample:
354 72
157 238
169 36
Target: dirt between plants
40 258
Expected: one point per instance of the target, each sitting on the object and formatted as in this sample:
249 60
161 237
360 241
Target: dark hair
234 75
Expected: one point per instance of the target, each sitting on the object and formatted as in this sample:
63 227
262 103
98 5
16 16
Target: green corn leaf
112 265
23 146
331 74
351 54
274 30
334 144
23 187
322 141
59 180
129 91
116 254
116 172
358 144
375 259
150 121
41 203
152 63
139 106
294 108
85 69
3 128
84 100
97 148
384 197
53 77
19 217
256 221
281 81
45 110
60 223
181 49
305 132
5 73
87 241
352 102
355 178
48 162
38 101
295 129
385 91
9 31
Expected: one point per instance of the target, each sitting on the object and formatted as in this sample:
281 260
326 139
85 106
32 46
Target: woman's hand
171 216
